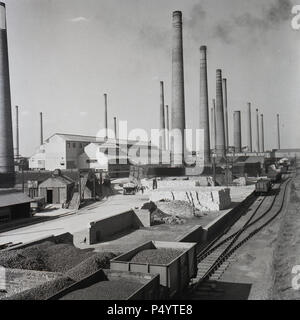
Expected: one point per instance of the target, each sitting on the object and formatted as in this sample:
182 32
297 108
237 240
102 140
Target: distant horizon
65 54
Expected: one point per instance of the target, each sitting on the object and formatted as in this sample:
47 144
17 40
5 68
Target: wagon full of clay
175 262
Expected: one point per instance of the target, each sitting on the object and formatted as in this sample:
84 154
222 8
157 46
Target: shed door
49 196
56 198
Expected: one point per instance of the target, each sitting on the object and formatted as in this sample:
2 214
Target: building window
68 144
91 161
74 145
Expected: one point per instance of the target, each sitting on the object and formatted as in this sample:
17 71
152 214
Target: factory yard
249 274
74 223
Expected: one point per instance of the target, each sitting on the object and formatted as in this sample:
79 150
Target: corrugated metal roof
10 197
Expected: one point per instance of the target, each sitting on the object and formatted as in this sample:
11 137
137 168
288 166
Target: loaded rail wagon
274 174
175 274
129 188
263 186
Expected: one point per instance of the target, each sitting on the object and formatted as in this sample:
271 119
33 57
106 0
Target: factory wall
55 149
91 158
73 150
104 228
38 160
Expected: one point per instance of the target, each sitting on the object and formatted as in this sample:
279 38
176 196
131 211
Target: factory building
62 150
98 156
67 151
38 160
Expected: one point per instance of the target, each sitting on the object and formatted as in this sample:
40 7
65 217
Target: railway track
215 258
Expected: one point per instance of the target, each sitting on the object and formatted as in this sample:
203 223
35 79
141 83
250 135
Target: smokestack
224 82
212 129
167 126
215 124
237 133
115 127
249 128
178 104
257 135
204 111
105 116
162 116
262 133
17 133
41 128
6 133
278 132
220 132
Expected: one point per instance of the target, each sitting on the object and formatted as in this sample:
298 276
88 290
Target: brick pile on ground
43 291
46 256
90 265
156 256
119 289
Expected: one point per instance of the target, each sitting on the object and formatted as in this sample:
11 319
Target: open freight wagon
174 276
134 286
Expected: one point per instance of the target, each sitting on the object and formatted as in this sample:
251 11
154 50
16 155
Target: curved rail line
223 250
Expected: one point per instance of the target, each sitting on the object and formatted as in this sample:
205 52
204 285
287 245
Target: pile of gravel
105 290
43 291
90 266
156 256
46 256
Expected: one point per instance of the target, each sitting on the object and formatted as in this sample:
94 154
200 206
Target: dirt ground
287 253
262 268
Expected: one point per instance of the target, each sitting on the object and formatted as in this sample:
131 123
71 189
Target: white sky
64 54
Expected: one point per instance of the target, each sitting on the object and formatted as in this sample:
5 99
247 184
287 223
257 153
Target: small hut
57 189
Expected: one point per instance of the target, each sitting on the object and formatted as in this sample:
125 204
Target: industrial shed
247 165
57 189
13 205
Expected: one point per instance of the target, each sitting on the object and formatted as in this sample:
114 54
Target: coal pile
31 258
46 256
156 256
105 290
90 266
43 291
62 257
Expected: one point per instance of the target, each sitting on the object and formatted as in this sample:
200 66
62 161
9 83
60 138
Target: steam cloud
273 15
